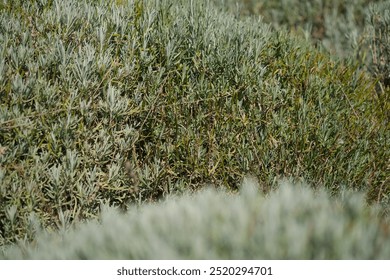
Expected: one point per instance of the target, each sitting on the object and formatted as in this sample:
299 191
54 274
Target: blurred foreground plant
293 222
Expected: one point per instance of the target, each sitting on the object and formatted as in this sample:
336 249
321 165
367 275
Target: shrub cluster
379 30
293 222
348 29
126 101
338 25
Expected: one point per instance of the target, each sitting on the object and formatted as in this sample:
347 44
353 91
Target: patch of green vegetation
337 25
379 30
346 29
122 102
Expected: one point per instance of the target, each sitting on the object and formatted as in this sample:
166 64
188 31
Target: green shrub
336 25
293 222
357 30
128 101
379 37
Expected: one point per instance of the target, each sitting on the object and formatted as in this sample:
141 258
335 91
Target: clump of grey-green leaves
292 222
120 102
356 30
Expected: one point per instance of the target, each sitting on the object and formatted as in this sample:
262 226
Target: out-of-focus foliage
337 25
293 222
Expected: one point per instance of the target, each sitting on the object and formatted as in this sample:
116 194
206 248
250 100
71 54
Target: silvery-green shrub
292 222
337 25
129 101
379 35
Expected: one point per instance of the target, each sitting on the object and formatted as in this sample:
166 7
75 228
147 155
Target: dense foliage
120 102
336 25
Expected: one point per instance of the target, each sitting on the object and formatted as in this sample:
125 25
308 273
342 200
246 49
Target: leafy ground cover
124 102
